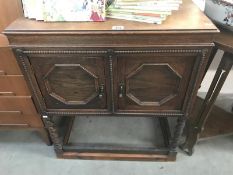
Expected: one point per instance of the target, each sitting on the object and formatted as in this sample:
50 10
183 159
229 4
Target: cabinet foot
191 139
187 149
177 134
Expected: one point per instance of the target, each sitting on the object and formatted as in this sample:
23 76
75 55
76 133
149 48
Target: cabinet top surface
187 19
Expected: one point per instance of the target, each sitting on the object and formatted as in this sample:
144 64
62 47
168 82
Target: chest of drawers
17 110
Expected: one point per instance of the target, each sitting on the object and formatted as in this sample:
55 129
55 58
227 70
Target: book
137 18
60 10
147 3
149 15
140 11
151 11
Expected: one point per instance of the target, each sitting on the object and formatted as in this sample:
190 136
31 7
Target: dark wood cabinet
89 69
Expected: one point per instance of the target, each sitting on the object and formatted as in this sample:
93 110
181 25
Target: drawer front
156 81
12 118
18 111
8 64
13 85
23 105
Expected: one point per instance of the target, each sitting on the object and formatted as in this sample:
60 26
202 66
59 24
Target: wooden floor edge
116 156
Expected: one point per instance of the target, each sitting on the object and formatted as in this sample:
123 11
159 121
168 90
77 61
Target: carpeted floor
24 153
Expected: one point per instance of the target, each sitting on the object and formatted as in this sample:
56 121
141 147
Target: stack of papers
61 10
150 11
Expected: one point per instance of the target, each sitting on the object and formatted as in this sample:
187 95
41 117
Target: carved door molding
157 81
66 83
142 74
150 81
78 88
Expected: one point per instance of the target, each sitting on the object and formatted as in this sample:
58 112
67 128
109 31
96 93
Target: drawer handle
101 91
11 112
121 90
7 94
2 72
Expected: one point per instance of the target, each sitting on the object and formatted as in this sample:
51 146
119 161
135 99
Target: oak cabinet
92 69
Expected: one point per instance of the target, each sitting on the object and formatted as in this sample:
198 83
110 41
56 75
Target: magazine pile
150 11
61 10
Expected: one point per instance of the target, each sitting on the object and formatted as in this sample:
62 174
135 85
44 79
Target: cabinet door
153 81
69 81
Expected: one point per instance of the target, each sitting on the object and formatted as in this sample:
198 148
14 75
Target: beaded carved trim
117 51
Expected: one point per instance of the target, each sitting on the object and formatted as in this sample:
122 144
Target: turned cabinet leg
177 134
45 136
50 125
195 127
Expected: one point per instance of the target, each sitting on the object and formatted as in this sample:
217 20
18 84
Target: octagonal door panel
71 81
153 82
